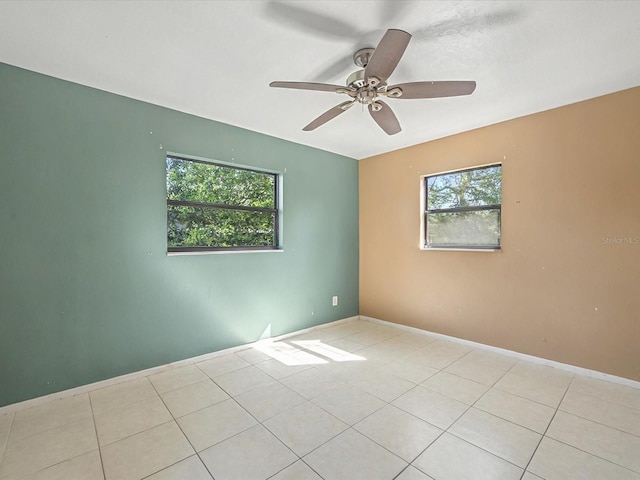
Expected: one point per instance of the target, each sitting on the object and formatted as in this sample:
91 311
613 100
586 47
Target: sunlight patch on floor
301 352
333 353
288 354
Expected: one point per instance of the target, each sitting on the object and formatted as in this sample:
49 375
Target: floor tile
556 461
471 369
601 411
418 339
387 351
176 378
338 331
605 442
192 398
223 364
531 476
52 414
491 359
243 380
332 351
410 369
312 382
389 329
41 450
383 385
353 456
458 388
190 468
145 453
121 394
290 354
297 471
612 392
533 388
507 440
344 346
519 410
305 427
117 423
368 338
83 467
450 458
276 369
252 355
254 454
440 354
348 403
549 375
411 473
437 409
269 400
214 424
399 432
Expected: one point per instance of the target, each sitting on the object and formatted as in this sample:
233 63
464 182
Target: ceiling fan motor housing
356 79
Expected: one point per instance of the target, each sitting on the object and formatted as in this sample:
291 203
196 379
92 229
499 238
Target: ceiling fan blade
329 115
385 118
387 54
321 87
434 89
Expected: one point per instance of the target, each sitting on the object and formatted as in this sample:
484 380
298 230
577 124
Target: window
212 206
463 209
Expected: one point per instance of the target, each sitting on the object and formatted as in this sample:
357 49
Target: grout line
175 420
6 443
546 430
592 455
446 430
95 429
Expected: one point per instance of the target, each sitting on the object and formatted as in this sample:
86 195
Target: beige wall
571 176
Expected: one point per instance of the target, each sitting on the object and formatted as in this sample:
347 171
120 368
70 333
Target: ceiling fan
368 85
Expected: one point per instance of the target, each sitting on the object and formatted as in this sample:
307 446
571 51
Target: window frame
276 210
424 224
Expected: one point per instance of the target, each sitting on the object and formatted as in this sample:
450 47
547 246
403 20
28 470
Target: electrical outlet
334 302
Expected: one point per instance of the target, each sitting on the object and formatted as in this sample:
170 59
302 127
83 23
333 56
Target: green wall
87 291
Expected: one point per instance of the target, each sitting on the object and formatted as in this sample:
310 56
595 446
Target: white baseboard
32 402
521 356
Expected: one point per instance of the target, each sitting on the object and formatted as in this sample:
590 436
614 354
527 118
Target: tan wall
571 176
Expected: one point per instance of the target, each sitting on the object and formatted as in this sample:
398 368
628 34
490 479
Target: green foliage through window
463 209
220 207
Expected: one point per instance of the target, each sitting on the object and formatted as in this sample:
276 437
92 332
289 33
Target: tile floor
356 400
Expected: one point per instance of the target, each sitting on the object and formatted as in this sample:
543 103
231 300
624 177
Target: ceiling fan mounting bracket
361 57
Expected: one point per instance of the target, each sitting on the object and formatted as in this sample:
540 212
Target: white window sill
223 252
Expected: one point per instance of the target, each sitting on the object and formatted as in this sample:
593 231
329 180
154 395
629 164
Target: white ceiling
215 59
